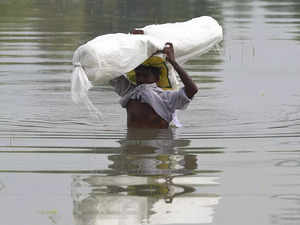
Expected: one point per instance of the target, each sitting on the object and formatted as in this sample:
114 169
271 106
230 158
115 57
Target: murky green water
236 160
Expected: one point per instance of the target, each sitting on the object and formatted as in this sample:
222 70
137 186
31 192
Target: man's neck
153 83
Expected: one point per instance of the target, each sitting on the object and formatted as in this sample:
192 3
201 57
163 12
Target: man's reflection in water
153 153
154 182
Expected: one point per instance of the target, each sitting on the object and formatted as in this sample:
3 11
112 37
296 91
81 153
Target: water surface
235 161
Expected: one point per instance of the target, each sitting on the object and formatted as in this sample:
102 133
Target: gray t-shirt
164 103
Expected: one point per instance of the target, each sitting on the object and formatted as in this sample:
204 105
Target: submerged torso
142 115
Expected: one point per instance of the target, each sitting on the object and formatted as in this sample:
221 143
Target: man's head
155 65
147 74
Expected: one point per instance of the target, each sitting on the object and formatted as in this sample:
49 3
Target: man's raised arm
189 86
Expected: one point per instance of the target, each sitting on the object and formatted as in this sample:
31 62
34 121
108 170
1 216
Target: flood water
236 160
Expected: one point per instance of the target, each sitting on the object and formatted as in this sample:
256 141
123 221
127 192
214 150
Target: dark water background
236 160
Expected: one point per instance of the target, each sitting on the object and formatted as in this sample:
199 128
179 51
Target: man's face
145 76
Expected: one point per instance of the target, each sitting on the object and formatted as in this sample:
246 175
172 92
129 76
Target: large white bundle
191 38
108 56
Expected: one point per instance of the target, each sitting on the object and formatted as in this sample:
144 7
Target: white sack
191 38
108 56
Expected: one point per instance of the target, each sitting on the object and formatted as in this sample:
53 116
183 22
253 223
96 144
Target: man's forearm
189 85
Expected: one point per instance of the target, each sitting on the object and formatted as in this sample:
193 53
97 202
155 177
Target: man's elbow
194 91
190 92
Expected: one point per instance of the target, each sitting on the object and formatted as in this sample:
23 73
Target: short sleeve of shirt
121 85
177 99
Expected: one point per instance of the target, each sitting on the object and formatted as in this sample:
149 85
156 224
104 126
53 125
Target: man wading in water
147 105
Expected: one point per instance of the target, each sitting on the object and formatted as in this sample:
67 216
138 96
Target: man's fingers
136 31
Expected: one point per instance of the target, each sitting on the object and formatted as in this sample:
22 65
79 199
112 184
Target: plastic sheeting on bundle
191 38
109 56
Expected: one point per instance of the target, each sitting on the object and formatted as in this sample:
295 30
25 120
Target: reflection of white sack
108 56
